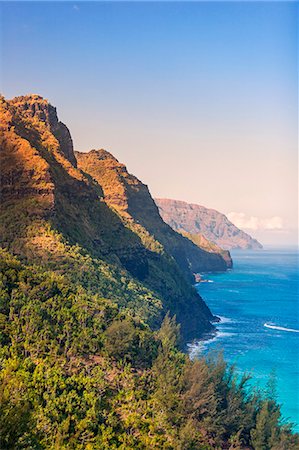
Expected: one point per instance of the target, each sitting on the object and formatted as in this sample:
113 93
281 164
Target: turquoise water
262 288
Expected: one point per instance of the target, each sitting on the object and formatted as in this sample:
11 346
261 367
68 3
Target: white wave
274 327
197 348
224 320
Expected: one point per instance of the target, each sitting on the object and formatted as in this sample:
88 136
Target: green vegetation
53 214
78 371
89 359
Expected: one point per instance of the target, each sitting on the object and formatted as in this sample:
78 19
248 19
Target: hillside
51 213
209 223
89 358
55 215
132 200
209 246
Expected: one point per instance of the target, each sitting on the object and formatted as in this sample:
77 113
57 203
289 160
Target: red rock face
211 224
24 173
38 183
34 106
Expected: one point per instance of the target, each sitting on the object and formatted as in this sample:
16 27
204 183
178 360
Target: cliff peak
101 154
34 107
33 98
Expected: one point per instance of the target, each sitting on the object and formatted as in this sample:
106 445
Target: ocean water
259 332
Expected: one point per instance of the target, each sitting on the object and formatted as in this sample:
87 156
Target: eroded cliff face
40 184
37 108
58 216
209 246
209 223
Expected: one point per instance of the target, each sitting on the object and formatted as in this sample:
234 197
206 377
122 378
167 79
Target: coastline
197 347
259 328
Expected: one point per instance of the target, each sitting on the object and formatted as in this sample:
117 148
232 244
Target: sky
198 99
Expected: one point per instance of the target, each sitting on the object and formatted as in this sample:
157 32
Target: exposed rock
35 106
207 223
36 175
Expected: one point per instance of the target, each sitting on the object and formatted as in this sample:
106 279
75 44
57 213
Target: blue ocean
259 332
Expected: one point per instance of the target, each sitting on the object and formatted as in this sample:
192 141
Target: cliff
207 223
209 246
57 216
36 108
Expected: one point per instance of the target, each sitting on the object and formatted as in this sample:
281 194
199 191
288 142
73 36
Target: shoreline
198 346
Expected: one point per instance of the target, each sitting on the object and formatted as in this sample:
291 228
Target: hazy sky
198 99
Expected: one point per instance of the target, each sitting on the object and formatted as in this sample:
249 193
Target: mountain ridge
56 215
210 223
132 200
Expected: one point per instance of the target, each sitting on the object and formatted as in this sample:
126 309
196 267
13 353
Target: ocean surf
258 303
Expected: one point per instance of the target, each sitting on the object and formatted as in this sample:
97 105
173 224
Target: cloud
274 223
243 221
76 8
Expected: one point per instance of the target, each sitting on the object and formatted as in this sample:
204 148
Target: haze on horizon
199 100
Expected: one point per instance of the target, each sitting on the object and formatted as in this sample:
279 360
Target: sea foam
274 327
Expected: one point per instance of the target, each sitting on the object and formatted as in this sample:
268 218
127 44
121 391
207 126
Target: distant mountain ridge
207 223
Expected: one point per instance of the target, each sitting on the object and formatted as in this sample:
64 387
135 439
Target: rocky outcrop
36 107
207 223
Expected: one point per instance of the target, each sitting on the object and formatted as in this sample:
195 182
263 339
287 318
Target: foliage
78 372
84 362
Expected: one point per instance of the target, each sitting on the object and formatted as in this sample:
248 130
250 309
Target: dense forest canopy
77 372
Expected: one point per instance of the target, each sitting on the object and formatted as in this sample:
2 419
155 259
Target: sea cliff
91 280
206 223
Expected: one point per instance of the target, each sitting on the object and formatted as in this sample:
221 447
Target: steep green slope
199 240
54 214
51 213
77 373
80 365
